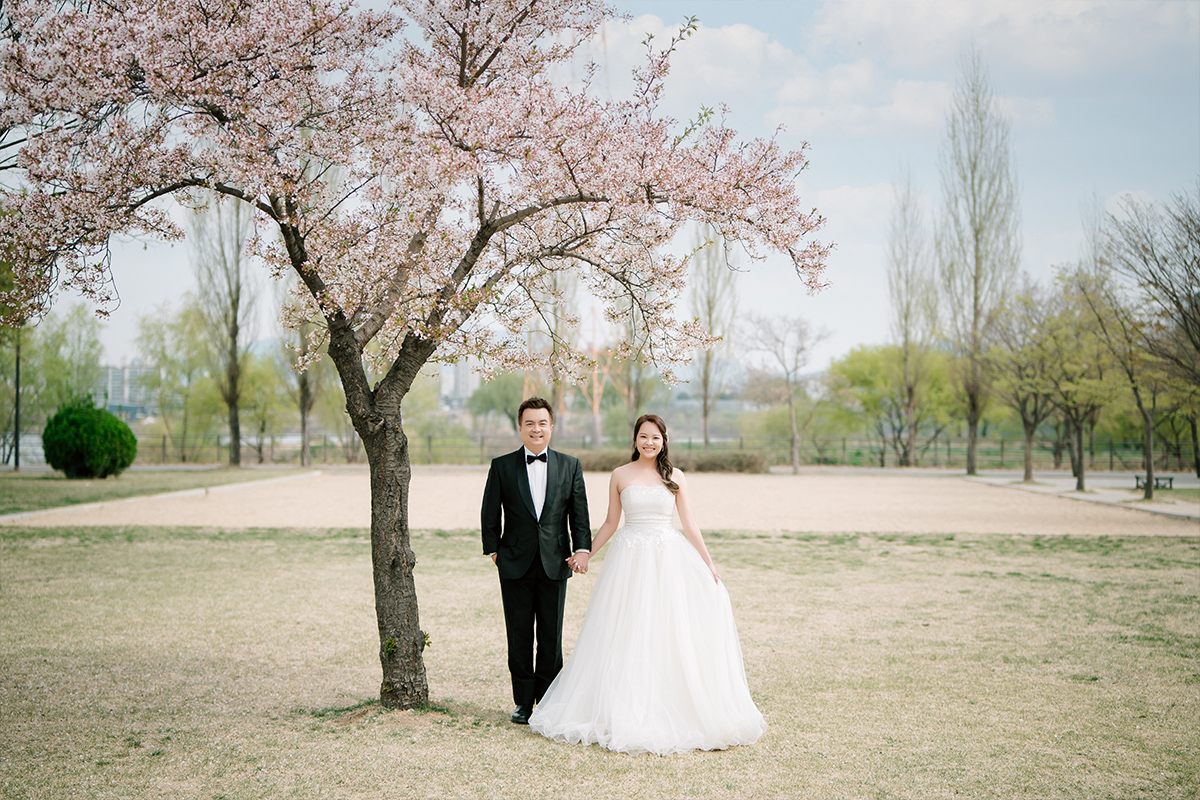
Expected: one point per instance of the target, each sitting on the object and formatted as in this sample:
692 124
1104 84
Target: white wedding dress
657 666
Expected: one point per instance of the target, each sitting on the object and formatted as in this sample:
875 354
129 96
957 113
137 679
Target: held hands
579 562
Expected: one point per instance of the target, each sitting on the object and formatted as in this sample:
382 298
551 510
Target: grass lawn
1177 494
34 491
186 663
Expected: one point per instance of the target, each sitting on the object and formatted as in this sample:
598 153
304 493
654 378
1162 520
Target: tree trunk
597 429
795 433
973 415
1029 431
1079 474
305 392
233 390
235 437
910 447
1195 444
1148 494
401 640
1147 443
1070 438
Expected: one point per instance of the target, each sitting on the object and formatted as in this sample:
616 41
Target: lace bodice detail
648 506
649 516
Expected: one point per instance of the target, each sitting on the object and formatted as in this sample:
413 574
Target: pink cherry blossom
418 168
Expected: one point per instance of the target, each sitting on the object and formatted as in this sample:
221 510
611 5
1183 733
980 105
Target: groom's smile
536 429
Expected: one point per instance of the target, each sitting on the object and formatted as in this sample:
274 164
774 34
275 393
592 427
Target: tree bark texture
795 432
401 640
1195 444
1029 431
974 412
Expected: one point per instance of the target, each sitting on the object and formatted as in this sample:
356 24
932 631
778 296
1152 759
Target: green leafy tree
1020 361
1080 372
61 362
420 405
786 343
871 381
265 402
502 395
172 343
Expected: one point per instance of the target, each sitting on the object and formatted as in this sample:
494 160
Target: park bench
1159 483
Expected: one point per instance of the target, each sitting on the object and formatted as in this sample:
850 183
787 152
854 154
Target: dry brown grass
152 662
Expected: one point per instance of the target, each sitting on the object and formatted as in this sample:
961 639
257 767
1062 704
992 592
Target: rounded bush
88 442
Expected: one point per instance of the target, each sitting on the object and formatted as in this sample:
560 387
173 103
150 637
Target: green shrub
721 461
87 442
601 460
713 461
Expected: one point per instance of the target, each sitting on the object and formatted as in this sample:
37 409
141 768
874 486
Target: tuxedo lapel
551 479
523 481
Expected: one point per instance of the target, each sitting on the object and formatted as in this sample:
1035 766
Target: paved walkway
1108 488
817 500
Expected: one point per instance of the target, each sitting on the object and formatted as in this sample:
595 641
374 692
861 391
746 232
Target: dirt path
449 499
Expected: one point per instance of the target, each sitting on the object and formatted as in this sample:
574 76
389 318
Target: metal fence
949 452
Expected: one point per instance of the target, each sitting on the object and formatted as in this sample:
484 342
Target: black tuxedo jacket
515 533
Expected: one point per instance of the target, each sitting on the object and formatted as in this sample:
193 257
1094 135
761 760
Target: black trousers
533 610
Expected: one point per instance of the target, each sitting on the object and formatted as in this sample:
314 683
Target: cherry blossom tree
419 168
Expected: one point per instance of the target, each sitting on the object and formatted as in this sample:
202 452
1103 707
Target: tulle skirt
657 666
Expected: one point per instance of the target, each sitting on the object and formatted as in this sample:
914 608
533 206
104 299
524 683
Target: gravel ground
448 498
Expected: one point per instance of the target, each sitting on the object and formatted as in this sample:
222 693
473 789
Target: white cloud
905 105
1056 36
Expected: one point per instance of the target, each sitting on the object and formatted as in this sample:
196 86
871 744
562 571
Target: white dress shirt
536 470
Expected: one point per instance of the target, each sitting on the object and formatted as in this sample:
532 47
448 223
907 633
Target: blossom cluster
417 167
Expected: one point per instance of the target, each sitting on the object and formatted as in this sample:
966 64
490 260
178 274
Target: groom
534 515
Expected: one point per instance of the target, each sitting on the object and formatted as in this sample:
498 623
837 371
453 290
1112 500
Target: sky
1104 99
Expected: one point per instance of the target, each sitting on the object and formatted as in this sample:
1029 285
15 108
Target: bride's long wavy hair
663 461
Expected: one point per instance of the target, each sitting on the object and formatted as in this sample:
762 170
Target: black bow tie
540 457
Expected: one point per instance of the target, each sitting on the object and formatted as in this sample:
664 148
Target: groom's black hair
535 402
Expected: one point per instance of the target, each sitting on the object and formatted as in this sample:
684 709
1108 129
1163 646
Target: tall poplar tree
978 237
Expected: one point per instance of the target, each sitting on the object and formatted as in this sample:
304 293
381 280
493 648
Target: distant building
122 392
458 382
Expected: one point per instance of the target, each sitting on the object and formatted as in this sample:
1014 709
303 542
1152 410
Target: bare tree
559 322
788 343
714 300
1123 326
1158 248
226 295
592 389
913 293
978 238
1020 360
302 364
629 368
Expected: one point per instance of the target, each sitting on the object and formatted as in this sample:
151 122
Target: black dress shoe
521 714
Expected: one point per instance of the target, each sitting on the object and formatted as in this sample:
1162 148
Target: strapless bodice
648 506
649 517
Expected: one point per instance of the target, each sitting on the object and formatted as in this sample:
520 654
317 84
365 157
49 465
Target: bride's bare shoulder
620 476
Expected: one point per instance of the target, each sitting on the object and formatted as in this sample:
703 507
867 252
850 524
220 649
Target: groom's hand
579 561
494 557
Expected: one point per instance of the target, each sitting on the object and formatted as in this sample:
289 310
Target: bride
657 666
